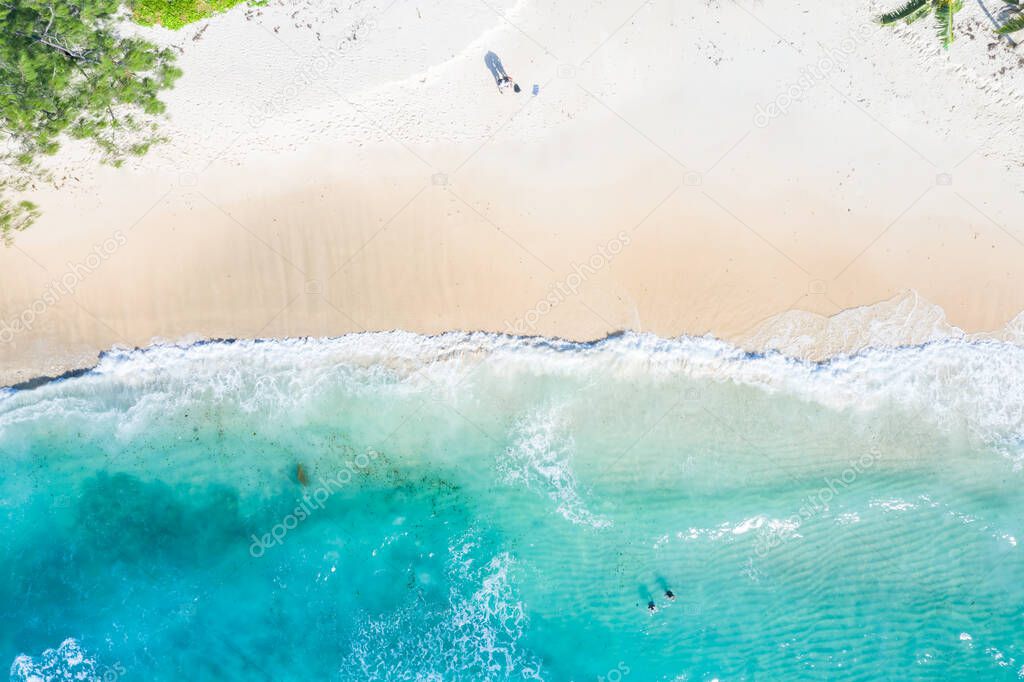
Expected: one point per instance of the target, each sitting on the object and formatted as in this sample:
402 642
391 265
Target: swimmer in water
670 595
651 607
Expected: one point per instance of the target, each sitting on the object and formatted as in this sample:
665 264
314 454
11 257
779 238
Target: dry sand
746 170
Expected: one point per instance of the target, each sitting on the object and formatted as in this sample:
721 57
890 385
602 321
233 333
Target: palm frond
944 11
1013 25
908 9
919 14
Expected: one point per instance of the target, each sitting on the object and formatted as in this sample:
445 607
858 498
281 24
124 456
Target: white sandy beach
747 170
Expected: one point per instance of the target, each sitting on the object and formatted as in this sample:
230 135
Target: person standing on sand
505 82
497 69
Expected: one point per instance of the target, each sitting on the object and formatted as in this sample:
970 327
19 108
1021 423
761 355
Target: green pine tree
66 71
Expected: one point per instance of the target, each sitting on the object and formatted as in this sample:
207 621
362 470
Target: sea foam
976 384
65 663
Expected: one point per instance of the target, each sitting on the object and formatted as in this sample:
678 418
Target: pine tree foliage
69 70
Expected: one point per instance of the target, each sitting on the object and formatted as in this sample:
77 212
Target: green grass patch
177 13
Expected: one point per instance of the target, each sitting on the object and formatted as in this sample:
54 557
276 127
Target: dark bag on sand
516 87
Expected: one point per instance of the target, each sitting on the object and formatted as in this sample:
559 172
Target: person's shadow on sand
493 63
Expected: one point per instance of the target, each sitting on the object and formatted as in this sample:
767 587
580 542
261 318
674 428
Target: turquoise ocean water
476 507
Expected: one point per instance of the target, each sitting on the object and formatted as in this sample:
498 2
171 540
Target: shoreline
1012 334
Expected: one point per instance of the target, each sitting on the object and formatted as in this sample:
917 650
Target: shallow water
479 507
